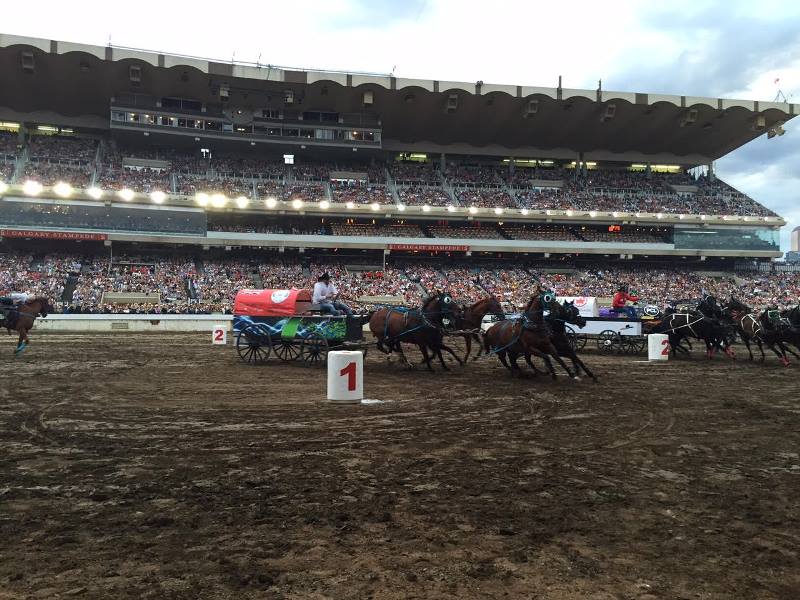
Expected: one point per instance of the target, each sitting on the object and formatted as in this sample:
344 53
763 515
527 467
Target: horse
791 332
21 319
680 326
560 315
423 326
759 329
471 318
526 336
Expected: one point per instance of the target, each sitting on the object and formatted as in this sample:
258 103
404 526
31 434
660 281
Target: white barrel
658 346
345 376
219 334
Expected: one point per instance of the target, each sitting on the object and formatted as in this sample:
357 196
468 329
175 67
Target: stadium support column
442 162
711 175
648 171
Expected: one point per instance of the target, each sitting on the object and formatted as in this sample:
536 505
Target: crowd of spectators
476 231
78 283
540 232
421 195
9 145
384 230
475 175
360 192
62 149
414 173
6 171
138 179
485 198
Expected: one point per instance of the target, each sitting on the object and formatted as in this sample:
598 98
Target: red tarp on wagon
271 303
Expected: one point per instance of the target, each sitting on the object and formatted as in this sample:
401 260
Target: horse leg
549 364
761 348
579 365
502 356
564 366
438 353
22 342
536 372
468 342
515 366
479 351
427 359
452 353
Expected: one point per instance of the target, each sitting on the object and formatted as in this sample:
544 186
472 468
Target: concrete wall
133 323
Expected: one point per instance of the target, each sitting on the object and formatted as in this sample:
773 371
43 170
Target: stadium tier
200 156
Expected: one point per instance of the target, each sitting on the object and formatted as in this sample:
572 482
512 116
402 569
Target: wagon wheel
572 338
252 347
634 344
608 341
580 341
314 349
286 350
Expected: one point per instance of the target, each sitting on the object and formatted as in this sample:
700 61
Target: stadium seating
478 231
394 230
192 285
360 192
485 198
413 173
421 195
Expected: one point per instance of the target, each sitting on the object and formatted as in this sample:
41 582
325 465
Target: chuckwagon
286 323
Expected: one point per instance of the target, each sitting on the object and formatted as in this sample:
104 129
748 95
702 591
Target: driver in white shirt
325 294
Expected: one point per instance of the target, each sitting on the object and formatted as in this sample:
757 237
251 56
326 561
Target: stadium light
426 208
473 210
242 202
95 192
32 188
218 200
660 216
158 196
324 205
375 206
63 189
569 213
593 213
350 205
126 194
498 210
401 207
202 199
3 187
451 208
297 203
270 202
524 211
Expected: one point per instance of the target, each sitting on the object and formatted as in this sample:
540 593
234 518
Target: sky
728 49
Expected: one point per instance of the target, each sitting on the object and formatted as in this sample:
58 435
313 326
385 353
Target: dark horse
759 329
525 336
560 315
681 326
423 327
471 319
21 318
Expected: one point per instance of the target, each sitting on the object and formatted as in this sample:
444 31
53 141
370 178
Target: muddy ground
158 466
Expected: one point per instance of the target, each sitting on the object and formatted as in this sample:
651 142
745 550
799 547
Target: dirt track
160 467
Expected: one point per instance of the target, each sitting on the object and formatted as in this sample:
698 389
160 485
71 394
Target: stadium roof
73 84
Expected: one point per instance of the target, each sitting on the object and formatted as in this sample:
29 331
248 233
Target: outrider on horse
20 318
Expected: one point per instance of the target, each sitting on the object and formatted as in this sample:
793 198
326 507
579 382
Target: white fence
132 323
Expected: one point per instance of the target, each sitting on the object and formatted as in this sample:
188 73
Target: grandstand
256 177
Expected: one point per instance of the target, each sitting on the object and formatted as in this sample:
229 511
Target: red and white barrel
345 376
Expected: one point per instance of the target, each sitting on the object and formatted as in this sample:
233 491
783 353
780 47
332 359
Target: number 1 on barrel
350 371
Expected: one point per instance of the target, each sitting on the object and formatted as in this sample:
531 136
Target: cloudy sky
727 48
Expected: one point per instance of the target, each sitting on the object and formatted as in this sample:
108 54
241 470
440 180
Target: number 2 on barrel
350 371
218 335
665 351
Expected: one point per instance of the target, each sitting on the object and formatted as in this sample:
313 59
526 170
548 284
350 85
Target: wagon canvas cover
270 303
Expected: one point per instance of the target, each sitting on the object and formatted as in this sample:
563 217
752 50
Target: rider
620 298
14 299
325 294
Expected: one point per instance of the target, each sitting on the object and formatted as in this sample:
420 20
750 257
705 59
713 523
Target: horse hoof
576 378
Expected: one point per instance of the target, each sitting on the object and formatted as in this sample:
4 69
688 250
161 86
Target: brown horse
760 329
526 336
472 317
21 318
423 327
